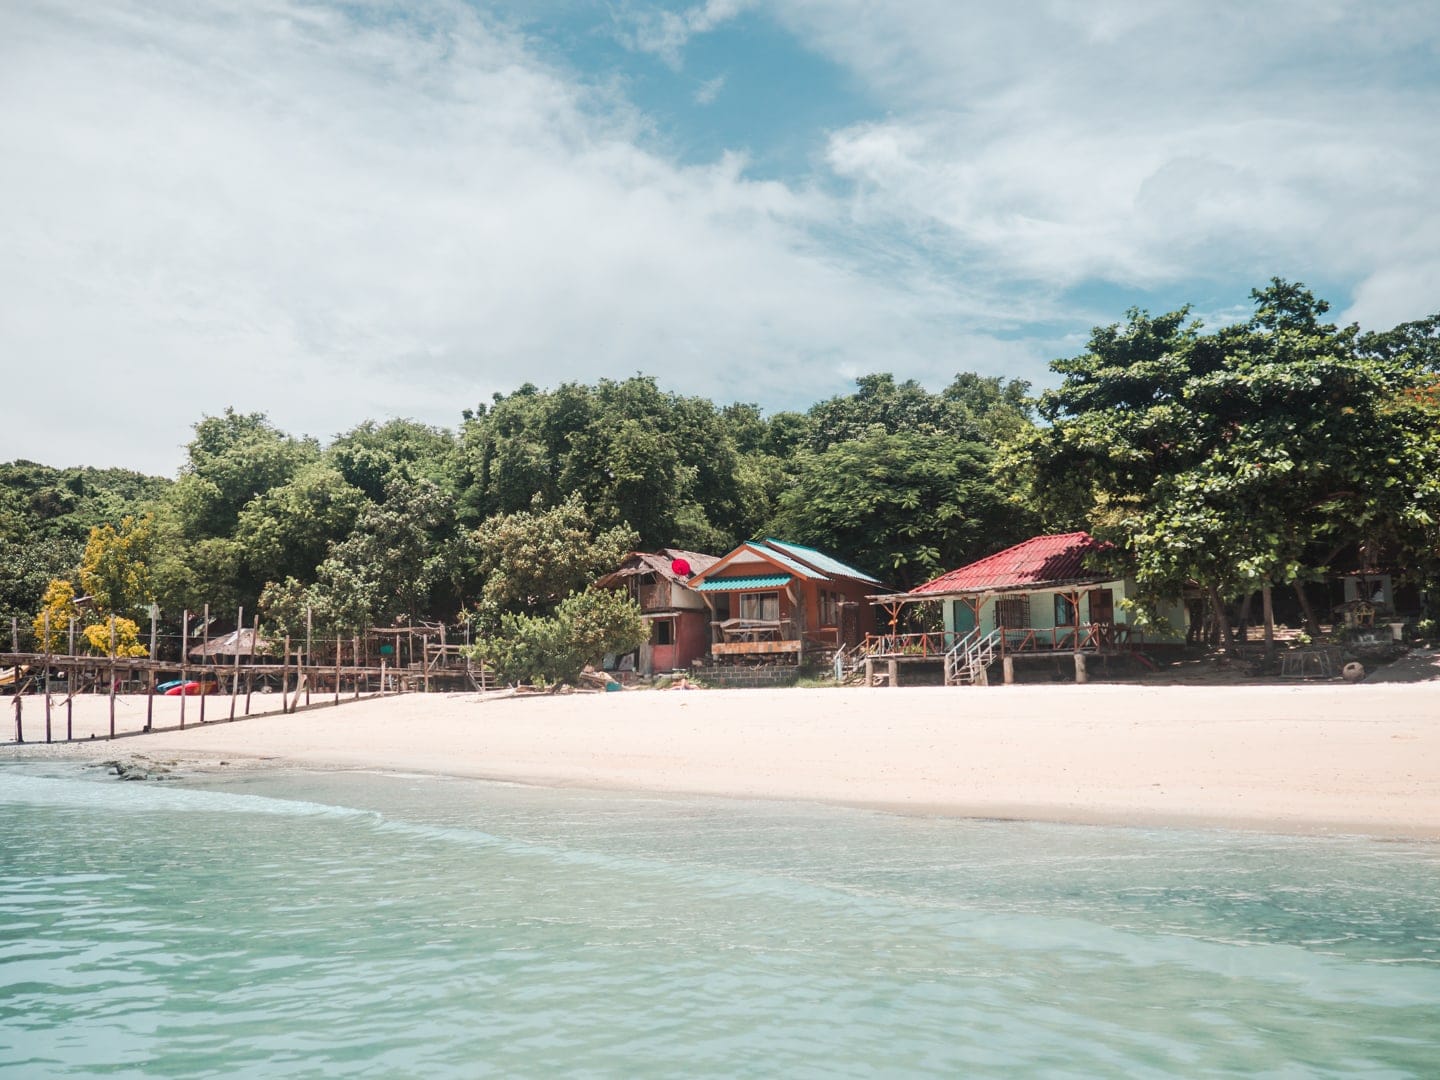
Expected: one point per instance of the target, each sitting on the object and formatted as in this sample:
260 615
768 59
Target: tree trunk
1221 620
1312 624
1269 609
1244 617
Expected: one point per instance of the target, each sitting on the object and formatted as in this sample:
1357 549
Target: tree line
1239 458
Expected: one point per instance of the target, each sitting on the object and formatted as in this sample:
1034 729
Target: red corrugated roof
1039 561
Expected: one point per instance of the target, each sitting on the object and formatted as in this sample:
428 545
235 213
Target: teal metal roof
795 566
733 584
819 560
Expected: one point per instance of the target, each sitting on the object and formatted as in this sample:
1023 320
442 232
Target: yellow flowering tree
59 603
115 569
127 637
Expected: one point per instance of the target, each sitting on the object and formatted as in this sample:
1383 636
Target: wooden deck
932 646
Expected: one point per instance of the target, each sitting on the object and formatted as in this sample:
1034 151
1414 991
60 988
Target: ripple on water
296 925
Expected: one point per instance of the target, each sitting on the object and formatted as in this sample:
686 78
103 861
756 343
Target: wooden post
47 676
355 657
285 677
150 697
70 682
235 674
382 676
154 615
425 660
15 644
19 708
309 663
1080 673
1268 606
250 675
337 667
112 676
204 658
184 654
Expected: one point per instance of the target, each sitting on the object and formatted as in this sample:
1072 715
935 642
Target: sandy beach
1293 758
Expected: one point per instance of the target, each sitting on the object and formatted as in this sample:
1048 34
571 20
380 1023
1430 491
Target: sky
332 212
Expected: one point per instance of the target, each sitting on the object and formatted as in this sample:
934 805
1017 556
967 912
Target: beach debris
138 768
1353 671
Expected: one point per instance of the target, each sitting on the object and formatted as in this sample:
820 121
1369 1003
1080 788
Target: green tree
531 559
663 463
402 555
232 459
547 650
904 506
370 456
1235 458
115 569
288 529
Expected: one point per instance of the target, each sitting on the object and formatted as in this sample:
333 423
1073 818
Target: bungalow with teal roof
770 599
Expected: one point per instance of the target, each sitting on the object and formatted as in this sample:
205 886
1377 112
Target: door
1102 615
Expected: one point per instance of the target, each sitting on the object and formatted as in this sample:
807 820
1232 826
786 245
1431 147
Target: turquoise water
348 924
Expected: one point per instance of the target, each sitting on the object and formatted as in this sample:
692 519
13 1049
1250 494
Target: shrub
545 650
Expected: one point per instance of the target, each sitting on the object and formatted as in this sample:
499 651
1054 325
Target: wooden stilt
250 675
235 674
47 677
309 661
184 659
70 688
112 676
285 678
204 660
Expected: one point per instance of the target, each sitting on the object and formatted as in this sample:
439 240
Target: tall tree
1230 458
904 506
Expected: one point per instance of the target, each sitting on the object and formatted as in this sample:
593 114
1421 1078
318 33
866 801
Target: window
1013 614
829 608
1064 610
663 632
760 607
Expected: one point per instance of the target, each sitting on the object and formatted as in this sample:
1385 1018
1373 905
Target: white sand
1292 758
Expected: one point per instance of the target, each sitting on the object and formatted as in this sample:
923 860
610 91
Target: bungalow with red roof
777 600
1040 595
677 616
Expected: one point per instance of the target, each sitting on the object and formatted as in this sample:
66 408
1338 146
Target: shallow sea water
356 924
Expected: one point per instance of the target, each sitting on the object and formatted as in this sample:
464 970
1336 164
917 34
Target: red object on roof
680 567
1039 561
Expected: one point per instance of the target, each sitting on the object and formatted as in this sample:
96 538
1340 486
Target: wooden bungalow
773 600
1038 597
678 617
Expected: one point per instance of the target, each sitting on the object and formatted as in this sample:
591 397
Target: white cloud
331 217
1147 144
709 90
666 33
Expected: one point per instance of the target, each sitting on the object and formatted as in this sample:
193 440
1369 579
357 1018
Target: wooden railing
925 645
1083 638
1016 639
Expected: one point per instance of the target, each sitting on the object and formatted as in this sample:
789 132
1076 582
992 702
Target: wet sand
1288 758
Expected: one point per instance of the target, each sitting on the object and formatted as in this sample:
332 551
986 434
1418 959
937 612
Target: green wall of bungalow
1058 608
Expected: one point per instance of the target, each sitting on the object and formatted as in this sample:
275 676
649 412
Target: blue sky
338 211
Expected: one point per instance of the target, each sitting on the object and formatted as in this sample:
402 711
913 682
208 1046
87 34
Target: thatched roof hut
236 643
